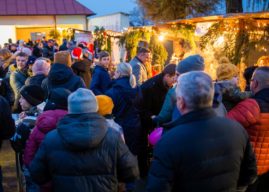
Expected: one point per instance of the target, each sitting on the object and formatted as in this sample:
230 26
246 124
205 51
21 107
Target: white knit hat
82 101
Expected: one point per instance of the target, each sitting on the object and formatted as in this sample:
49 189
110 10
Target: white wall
115 22
6 32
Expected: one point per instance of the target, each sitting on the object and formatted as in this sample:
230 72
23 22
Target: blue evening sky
103 7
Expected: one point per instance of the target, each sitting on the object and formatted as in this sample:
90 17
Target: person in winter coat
37 52
81 66
92 157
101 80
40 70
6 91
248 75
6 60
64 47
169 111
18 78
253 114
48 50
139 65
7 127
211 154
61 74
105 107
123 93
55 109
227 81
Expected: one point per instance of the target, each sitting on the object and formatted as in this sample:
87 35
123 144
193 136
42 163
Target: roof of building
42 7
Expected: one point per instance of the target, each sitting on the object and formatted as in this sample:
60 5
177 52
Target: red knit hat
77 53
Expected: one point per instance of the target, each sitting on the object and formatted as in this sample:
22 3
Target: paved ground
7 162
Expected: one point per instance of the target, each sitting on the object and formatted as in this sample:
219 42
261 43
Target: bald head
260 79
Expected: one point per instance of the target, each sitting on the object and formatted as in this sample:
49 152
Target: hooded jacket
61 75
83 154
253 114
45 123
83 69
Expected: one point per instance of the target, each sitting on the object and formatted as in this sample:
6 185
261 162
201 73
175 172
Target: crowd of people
77 125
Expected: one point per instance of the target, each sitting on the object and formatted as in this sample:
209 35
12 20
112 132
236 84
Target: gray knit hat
82 101
191 63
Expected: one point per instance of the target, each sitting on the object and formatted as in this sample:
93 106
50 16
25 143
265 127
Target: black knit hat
33 94
57 99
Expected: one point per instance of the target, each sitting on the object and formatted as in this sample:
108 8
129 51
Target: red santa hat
77 53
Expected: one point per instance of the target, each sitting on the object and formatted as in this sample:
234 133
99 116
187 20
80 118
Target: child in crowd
101 79
105 107
227 82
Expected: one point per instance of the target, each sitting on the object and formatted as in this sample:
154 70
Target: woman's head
125 70
5 54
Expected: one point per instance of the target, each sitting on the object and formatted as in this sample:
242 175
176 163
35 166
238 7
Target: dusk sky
103 7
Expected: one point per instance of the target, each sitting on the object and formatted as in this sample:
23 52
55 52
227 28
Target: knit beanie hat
105 105
77 53
57 99
63 57
191 63
82 101
33 94
226 71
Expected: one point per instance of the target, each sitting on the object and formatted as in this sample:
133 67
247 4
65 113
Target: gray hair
197 90
125 70
261 74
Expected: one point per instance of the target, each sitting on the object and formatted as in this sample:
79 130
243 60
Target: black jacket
6 91
125 112
35 80
62 76
203 153
83 154
7 125
48 52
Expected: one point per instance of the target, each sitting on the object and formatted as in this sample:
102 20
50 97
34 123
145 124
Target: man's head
191 63
169 74
260 79
21 60
144 54
50 42
104 59
194 91
31 95
41 66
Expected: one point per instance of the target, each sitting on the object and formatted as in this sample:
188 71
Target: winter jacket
125 112
35 80
6 91
23 130
83 154
17 81
63 47
139 71
202 153
83 69
7 125
101 80
169 111
231 94
45 122
48 52
253 114
62 76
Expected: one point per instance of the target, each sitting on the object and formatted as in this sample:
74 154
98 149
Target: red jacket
256 122
46 122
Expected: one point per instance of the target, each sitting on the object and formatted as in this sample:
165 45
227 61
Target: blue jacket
101 80
202 153
125 112
83 154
